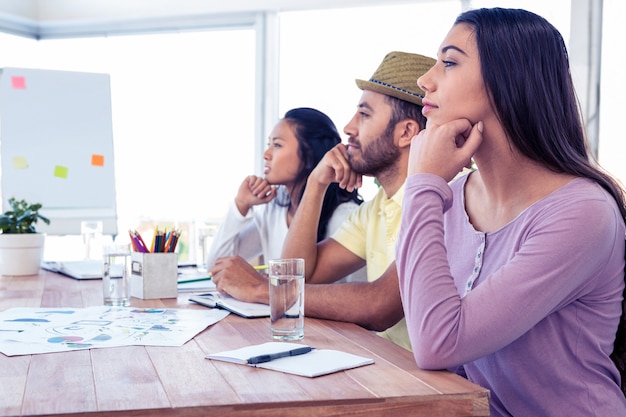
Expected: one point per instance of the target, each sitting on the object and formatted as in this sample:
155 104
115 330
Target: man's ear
407 129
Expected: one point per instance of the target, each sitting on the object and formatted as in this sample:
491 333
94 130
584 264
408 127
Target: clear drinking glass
116 275
286 283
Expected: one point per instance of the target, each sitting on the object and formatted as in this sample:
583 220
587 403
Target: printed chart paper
26 331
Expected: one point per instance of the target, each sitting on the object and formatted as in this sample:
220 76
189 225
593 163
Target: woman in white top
258 219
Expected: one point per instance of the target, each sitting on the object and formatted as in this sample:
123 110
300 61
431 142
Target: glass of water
286 281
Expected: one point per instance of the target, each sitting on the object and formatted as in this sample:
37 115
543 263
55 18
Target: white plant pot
21 254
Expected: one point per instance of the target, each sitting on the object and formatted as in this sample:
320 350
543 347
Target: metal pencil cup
154 275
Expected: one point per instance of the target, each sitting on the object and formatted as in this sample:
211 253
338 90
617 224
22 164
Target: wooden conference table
179 381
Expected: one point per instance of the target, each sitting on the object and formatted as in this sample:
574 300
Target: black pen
271 356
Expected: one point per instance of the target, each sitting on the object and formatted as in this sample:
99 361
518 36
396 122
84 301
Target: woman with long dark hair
258 220
512 274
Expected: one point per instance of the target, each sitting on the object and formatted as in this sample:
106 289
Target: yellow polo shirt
370 232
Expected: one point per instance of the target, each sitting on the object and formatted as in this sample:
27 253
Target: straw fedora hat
397 76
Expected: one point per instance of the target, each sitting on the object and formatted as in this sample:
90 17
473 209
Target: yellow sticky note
97 160
60 171
20 162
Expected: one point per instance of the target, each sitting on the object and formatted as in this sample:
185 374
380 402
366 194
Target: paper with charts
26 331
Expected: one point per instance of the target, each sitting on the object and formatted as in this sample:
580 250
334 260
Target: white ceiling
67 11
42 19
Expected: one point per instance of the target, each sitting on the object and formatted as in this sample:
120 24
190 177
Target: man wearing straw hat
387 118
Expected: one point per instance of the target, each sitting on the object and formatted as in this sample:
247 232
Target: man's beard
378 156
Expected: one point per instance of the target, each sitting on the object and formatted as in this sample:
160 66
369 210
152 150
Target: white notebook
315 363
191 280
84 269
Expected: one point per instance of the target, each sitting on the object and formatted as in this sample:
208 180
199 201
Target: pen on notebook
188 280
271 356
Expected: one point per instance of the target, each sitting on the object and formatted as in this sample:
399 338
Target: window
612 147
319 70
183 107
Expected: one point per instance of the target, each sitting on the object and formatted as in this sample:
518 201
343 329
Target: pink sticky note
18 83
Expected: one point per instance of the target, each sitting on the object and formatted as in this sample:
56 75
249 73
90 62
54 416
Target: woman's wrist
242 207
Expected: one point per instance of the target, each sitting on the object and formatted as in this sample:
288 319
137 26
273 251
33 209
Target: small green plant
21 218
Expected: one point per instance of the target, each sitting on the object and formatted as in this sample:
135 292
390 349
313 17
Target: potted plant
21 246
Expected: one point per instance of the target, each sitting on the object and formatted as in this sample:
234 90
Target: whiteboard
56 146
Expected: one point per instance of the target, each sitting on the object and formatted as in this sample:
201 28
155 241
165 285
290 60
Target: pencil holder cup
154 275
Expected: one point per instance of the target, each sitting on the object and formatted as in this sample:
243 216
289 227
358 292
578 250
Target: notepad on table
216 300
81 269
317 362
191 280
196 286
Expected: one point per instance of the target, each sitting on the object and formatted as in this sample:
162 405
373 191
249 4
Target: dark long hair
316 135
525 68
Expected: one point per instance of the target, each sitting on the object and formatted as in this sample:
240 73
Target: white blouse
262 231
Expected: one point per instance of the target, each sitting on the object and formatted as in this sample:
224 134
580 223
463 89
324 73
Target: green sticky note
60 171
19 162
